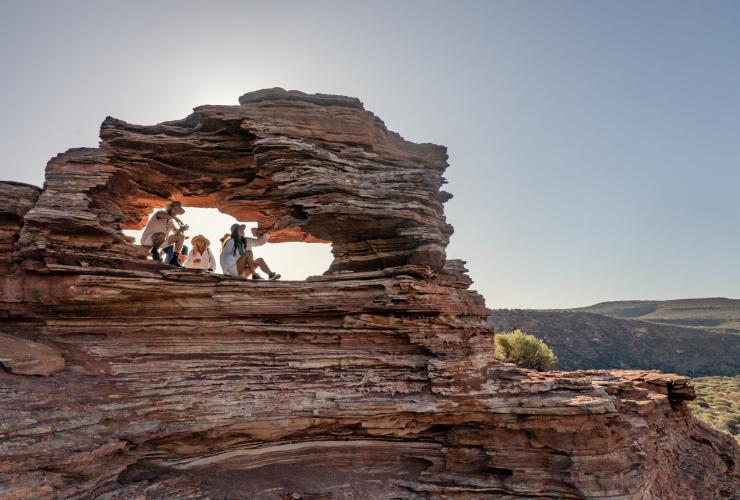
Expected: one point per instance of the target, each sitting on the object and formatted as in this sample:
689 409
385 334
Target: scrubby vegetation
585 341
525 350
718 403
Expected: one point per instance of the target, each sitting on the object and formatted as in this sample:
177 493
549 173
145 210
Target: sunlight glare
294 261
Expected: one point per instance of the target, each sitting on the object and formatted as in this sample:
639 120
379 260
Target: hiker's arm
164 215
258 242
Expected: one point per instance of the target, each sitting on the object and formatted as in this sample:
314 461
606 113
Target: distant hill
717 314
584 340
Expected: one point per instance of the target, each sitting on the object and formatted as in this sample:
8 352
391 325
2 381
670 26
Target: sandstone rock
316 168
15 200
25 357
375 380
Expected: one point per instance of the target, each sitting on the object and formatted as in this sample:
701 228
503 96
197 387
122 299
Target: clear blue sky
594 146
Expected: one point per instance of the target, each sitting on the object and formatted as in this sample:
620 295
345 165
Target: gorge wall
124 378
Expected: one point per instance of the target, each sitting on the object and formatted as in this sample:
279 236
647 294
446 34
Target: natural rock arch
376 380
308 167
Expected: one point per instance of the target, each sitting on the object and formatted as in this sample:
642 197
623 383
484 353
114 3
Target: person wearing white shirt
200 257
237 258
161 232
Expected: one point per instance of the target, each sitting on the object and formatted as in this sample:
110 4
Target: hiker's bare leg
242 266
250 261
262 265
157 239
253 264
177 240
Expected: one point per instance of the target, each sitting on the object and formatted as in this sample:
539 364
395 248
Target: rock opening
294 260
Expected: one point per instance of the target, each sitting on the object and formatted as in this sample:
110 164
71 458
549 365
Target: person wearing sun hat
200 257
162 232
236 254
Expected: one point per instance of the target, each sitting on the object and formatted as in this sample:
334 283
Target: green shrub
525 350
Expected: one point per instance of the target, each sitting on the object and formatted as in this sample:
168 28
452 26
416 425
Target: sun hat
172 204
200 237
236 225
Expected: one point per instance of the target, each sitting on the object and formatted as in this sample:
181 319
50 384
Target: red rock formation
308 167
374 380
15 200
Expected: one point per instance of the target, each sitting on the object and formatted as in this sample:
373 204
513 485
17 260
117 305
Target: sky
293 260
594 146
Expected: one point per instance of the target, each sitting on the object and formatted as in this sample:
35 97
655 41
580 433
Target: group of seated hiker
164 234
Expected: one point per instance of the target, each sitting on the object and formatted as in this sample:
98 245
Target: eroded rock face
24 357
15 200
376 380
310 168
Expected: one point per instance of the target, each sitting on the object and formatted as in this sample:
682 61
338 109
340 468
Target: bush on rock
525 350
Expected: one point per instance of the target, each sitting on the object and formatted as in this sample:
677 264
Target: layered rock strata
311 168
375 380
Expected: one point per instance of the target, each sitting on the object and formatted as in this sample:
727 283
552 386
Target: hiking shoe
155 254
175 260
256 276
274 276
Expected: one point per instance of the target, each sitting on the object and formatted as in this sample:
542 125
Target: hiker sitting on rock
200 257
161 232
236 254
